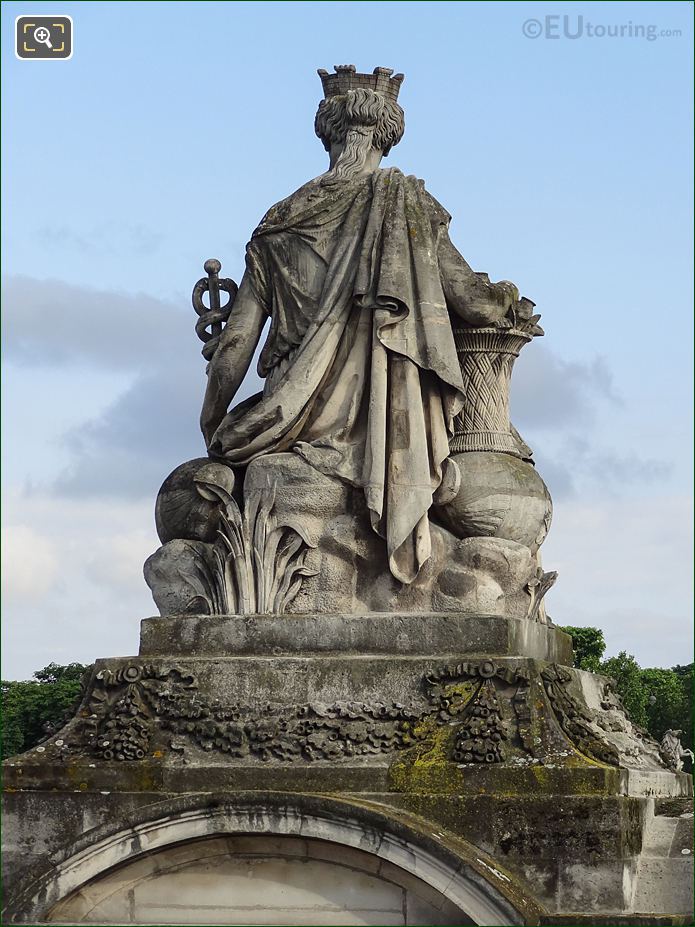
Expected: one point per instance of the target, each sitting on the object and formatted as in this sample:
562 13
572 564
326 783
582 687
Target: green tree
589 647
685 674
629 684
656 699
666 702
30 705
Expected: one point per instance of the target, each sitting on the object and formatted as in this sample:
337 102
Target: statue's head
359 115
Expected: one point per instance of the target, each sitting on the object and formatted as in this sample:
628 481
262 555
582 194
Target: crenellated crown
346 78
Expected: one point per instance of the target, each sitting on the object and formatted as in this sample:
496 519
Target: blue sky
566 164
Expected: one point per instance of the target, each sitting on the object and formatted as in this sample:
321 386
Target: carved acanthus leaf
257 563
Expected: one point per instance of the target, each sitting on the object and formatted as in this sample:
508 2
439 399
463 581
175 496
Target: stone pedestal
455 763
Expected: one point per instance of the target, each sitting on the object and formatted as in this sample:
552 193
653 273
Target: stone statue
352 650
386 370
672 751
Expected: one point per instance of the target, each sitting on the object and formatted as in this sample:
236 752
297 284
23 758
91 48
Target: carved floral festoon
126 707
489 713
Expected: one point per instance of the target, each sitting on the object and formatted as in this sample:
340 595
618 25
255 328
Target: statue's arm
233 356
469 294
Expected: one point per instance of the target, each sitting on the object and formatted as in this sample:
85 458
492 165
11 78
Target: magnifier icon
43 36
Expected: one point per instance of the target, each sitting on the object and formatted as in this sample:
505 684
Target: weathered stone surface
401 634
592 715
538 836
541 811
181 511
501 496
354 667
410 722
253 562
303 543
398 847
664 872
387 366
618 920
672 750
258 880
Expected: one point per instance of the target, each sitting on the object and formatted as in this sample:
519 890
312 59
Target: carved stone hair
360 120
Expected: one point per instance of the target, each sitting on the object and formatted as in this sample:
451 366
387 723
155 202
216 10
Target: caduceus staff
214 316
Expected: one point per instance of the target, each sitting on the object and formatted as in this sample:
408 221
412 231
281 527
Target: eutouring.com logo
556 26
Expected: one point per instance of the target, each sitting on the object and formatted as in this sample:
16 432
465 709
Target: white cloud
573 464
29 564
86 598
625 566
112 238
152 426
116 560
48 323
549 392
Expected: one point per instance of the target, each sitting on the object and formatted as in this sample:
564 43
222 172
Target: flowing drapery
362 377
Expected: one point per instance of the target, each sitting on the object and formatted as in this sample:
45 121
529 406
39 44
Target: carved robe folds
362 376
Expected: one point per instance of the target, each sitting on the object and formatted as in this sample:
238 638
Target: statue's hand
524 309
520 315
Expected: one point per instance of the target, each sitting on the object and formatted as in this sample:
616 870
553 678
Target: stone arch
257 879
437 869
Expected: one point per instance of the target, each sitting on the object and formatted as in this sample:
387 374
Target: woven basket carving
486 356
